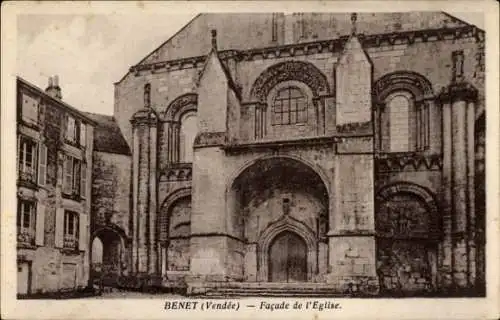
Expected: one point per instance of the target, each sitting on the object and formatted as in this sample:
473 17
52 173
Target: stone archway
287 226
272 195
174 232
408 228
108 254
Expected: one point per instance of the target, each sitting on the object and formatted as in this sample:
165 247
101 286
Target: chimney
214 39
53 88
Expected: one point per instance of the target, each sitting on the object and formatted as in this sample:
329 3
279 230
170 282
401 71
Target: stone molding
462 91
146 116
286 223
182 104
385 193
411 81
408 162
316 47
177 172
210 139
289 70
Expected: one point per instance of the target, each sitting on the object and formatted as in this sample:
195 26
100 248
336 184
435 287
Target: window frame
24 115
71 219
290 111
182 139
418 124
22 170
72 178
30 230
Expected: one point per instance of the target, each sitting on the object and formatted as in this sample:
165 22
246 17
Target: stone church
298 153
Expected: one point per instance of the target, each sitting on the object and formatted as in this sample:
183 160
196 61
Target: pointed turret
354 81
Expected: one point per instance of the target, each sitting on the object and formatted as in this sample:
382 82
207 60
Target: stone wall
111 190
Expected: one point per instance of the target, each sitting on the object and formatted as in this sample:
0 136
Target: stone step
275 292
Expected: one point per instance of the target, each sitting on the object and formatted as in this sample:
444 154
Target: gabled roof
243 31
107 135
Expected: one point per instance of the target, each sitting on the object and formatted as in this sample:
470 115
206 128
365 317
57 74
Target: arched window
399 124
403 126
289 107
188 131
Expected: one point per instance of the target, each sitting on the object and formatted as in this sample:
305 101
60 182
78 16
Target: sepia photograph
206 157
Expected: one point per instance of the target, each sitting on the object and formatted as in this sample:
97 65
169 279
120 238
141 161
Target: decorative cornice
463 91
144 116
322 46
177 172
364 127
210 139
399 162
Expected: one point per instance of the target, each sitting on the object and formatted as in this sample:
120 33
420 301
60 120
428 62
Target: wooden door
288 258
23 278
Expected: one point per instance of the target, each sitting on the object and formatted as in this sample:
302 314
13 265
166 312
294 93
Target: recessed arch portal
277 194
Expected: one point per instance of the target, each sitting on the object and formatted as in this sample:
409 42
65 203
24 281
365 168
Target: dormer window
289 107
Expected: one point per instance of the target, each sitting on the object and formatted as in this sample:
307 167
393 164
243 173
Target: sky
90 53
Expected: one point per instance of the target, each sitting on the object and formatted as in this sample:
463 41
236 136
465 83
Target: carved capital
463 91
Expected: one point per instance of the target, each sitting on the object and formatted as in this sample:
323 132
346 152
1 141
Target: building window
72 178
458 65
188 131
29 109
26 222
70 130
399 124
83 135
27 155
404 125
75 133
289 107
70 230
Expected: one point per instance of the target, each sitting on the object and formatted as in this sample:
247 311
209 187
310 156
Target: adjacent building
308 152
54 165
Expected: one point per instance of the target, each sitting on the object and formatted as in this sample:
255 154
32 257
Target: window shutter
68 174
42 165
65 127
83 134
76 176
82 238
83 190
59 232
40 224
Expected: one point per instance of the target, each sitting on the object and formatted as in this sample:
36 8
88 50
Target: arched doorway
288 258
107 254
275 195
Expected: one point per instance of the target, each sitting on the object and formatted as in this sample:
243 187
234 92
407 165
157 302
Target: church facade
332 152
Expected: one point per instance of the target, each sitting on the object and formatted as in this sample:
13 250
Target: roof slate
107 135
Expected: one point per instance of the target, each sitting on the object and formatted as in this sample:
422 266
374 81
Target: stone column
153 260
471 191
142 197
135 183
460 99
446 246
144 188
